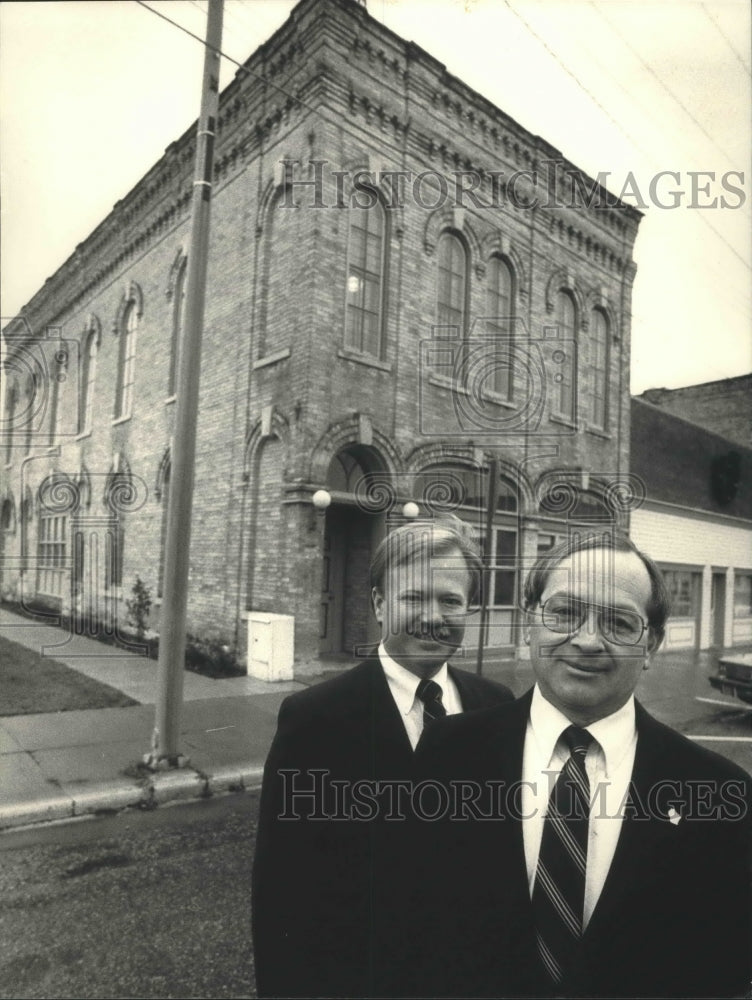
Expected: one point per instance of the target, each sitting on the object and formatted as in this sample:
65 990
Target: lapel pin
673 816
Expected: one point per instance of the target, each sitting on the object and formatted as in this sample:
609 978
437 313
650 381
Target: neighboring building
696 522
723 406
449 292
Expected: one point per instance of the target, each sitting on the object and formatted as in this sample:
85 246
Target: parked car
734 676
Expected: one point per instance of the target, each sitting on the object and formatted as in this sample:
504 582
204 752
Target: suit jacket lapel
641 833
470 696
504 761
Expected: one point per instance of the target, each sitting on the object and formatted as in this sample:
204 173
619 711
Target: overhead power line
224 55
726 39
527 26
619 126
661 83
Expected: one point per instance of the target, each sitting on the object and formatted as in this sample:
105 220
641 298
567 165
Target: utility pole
492 497
164 750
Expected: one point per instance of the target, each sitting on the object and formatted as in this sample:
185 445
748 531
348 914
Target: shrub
139 607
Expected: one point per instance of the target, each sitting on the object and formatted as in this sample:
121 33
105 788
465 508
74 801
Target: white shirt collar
404 683
615 733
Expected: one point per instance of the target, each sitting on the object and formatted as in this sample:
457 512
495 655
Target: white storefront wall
696 540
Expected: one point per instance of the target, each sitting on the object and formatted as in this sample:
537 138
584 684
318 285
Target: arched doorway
351 534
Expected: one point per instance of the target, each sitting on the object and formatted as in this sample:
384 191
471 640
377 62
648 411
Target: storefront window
742 596
682 589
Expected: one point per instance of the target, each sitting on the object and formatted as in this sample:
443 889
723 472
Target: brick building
723 406
404 287
696 522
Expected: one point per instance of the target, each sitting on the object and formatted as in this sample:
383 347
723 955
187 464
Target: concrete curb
156 790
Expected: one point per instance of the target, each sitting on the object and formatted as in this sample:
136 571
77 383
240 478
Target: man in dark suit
330 866
593 851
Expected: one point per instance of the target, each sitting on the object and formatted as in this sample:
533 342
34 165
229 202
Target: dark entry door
718 607
332 584
347 622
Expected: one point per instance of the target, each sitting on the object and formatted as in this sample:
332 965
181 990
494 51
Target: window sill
272 359
558 418
364 359
170 400
445 382
498 399
599 432
121 420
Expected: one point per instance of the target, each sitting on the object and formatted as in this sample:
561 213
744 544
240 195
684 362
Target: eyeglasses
567 615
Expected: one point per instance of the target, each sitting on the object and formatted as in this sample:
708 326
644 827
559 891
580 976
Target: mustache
445 632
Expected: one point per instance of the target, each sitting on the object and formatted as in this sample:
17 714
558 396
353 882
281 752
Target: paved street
142 904
157 903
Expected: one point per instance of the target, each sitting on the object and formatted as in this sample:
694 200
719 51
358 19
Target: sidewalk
56 766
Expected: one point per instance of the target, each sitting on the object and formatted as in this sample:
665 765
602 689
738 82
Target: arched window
6 515
464 491
30 404
451 291
366 266
11 399
58 371
88 379
27 512
564 361
126 362
178 324
500 323
599 368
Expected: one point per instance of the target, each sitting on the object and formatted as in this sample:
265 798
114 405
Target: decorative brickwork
282 392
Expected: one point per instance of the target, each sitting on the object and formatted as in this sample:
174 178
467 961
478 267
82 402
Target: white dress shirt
403 684
609 763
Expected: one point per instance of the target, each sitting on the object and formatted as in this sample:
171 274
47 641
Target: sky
92 92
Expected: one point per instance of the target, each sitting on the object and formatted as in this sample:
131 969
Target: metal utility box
271 646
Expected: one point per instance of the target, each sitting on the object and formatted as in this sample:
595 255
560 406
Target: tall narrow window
113 557
126 362
27 511
88 379
29 413
178 323
57 381
365 279
452 282
500 324
11 399
564 360
599 367
51 546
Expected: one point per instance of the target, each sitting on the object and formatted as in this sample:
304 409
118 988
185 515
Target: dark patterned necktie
429 692
559 888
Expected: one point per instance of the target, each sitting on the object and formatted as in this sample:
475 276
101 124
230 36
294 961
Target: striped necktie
429 692
559 887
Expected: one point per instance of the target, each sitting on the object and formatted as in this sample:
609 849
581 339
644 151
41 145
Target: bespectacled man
604 854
